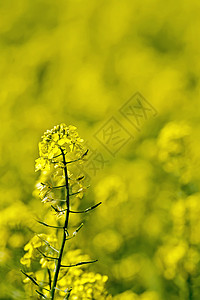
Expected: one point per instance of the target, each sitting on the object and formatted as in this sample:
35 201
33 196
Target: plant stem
189 283
58 265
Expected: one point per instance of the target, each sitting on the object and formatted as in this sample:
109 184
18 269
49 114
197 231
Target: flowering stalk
64 228
59 148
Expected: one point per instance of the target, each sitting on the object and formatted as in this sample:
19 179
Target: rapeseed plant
54 273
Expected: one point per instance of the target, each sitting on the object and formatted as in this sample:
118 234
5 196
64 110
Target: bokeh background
79 62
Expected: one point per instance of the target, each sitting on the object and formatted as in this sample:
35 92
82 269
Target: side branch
46 256
47 225
81 211
79 264
34 281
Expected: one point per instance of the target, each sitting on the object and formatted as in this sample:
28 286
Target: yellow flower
60 136
37 245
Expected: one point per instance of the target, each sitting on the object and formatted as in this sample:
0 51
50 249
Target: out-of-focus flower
173 147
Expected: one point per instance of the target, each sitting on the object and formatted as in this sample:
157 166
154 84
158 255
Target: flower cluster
40 247
50 147
179 254
60 140
173 147
82 284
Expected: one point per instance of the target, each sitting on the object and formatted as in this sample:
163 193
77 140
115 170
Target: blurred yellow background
79 62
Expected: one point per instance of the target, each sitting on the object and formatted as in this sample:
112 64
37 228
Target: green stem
58 265
189 283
